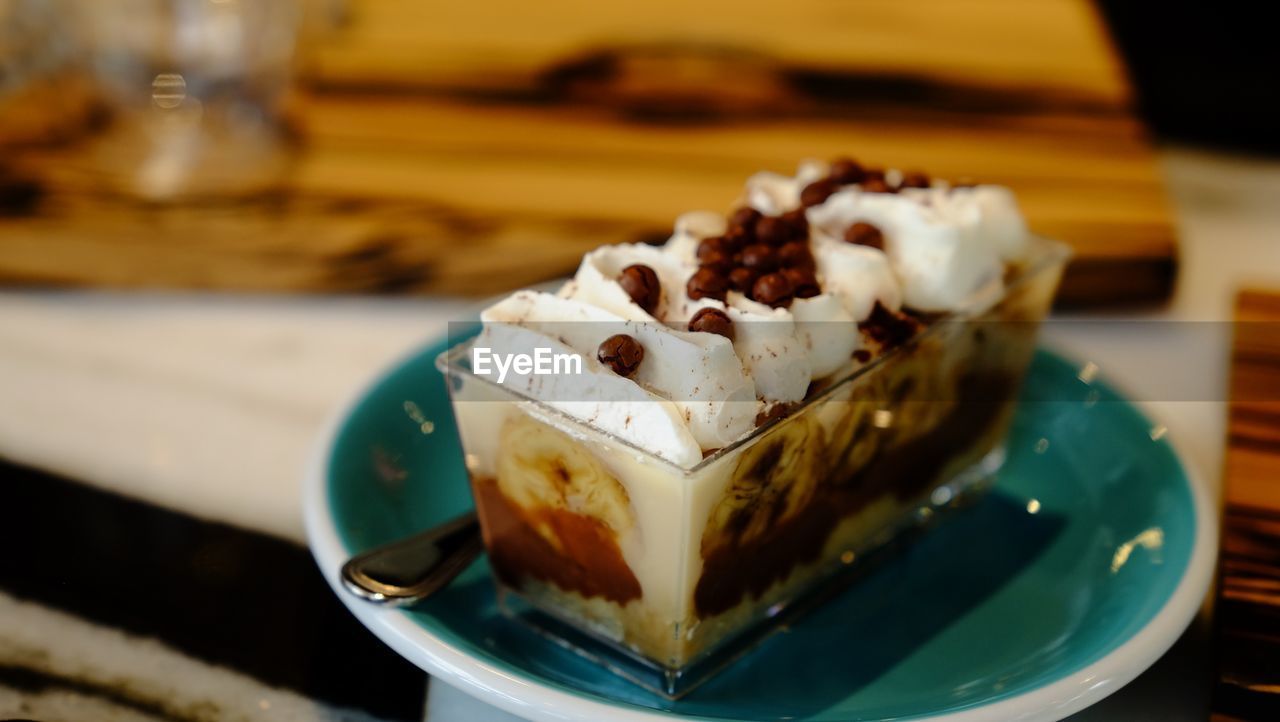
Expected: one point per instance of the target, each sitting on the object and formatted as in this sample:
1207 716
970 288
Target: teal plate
1079 569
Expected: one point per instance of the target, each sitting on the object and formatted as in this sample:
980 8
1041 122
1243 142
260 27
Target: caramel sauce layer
586 558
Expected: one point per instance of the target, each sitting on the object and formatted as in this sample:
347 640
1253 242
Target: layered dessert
684 439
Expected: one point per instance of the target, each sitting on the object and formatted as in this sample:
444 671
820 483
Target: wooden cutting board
1247 611
481 146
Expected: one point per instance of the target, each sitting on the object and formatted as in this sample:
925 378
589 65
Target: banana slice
774 480
918 394
854 437
542 467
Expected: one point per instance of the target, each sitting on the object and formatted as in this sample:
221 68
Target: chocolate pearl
742 279
716 252
759 258
864 234
707 283
798 224
914 179
845 171
717 261
621 353
803 281
818 191
744 218
773 230
714 244
795 254
735 238
641 284
773 289
876 185
712 320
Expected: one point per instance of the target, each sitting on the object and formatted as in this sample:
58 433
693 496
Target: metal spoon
409 570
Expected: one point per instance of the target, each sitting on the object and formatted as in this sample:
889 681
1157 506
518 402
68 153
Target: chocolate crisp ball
742 279
803 281
621 353
795 254
818 191
845 171
759 258
712 320
707 283
718 252
915 179
797 223
744 218
641 284
876 185
773 289
714 244
864 234
773 231
716 261
735 237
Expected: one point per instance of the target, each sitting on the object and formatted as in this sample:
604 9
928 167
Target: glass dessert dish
666 569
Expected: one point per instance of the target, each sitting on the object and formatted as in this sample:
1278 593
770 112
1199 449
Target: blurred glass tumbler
197 91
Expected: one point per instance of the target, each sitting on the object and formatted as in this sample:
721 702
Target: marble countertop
207 406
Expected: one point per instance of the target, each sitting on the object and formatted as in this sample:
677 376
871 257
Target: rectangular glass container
666 574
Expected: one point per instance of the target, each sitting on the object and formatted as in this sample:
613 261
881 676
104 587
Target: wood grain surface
475 148
1054 48
1247 611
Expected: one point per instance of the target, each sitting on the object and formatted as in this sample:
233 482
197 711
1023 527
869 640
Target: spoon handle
409 570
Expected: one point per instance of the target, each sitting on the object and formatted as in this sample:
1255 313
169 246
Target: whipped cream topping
934 249
859 276
699 374
944 246
598 396
770 349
